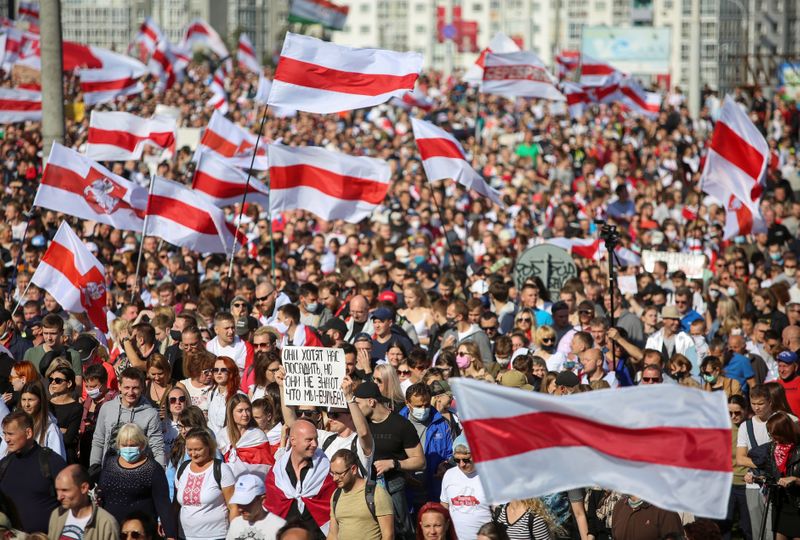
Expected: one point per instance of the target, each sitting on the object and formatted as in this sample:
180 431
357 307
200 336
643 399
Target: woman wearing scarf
784 467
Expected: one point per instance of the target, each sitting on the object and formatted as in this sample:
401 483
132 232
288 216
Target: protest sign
314 376
553 265
692 264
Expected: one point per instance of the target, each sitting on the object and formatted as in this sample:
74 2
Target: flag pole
22 296
244 200
13 280
441 217
141 244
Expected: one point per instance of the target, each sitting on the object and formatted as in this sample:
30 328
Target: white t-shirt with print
345 442
74 527
265 529
466 502
204 514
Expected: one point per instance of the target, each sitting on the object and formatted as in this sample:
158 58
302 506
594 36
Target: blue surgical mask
130 453
420 413
312 306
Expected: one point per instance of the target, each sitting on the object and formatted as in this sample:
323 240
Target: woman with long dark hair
243 446
783 467
188 419
33 400
66 409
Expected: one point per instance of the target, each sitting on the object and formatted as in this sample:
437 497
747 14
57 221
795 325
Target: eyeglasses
463 461
221 370
404 372
525 319
56 380
181 426
489 328
548 340
337 474
305 413
651 379
377 380
177 399
132 534
239 304
265 297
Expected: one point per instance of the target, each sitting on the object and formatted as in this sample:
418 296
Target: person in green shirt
53 336
529 148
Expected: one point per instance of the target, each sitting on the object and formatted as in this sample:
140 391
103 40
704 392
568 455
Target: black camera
609 234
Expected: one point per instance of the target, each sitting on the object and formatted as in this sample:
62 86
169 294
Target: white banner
692 264
314 376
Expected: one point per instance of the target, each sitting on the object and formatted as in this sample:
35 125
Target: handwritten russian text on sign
314 376
692 264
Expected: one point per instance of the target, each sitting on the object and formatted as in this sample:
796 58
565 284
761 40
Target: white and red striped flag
677 458
29 11
262 96
320 77
19 105
577 98
225 184
588 248
567 63
232 142
443 157
520 74
734 170
168 64
187 218
329 184
500 43
219 96
74 277
246 54
595 72
77 186
121 136
199 32
104 85
148 36
415 98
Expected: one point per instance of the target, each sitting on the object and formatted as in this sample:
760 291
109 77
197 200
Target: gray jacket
476 335
113 416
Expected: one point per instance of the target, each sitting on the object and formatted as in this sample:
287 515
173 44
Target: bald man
77 516
791 338
359 321
738 366
268 300
303 471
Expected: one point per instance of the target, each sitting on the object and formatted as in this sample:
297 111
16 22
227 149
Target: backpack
759 453
217 472
497 510
353 448
369 496
44 467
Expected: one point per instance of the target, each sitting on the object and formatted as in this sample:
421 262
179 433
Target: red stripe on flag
585 251
728 144
339 186
214 186
180 212
68 180
439 147
218 143
347 82
597 69
126 140
694 448
102 86
15 105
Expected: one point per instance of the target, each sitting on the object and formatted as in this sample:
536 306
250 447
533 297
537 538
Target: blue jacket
438 448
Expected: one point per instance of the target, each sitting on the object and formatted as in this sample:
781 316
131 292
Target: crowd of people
175 423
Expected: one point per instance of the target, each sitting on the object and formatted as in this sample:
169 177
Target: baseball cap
388 296
245 324
440 387
239 298
335 324
515 379
368 390
586 305
558 306
181 279
787 357
382 314
670 312
566 378
85 345
248 487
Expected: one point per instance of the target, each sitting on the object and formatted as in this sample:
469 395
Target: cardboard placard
314 376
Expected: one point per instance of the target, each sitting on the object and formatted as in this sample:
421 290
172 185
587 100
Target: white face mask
93 393
420 413
503 361
280 327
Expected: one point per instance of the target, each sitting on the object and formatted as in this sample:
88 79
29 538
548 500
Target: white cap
248 487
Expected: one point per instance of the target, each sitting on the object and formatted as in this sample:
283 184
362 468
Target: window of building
477 7
364 8
420 8
364 29
419 29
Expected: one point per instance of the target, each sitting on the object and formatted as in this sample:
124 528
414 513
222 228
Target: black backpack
217 472
44 467
498 510
353 448
369 496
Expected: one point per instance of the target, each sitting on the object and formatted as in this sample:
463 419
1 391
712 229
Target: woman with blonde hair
545 348
120 328
528 518
418 312
727 319
468 358
525 321
244 447
388 383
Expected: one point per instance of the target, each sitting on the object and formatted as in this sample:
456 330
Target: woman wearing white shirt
243 445
199 366
226 384
202 492
33 400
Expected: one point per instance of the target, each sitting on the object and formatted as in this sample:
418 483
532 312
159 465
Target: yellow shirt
353 516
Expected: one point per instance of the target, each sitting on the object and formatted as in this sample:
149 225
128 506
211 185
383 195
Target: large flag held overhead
168 63
121 136
246 54
105 85
328 184
500 43
80 56
199 32
734 169
219 96
322 12
232 142
148 36
187 218
19 105
225 184
443 157
677 458
577 98
595 72
520 74
77 186
320 77
588 248
74 277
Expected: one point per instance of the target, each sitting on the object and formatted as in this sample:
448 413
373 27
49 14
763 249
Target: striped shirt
527 527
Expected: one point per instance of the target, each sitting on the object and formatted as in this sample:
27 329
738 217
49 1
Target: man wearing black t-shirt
397 450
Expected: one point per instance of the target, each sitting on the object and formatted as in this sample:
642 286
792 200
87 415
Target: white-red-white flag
121 136
320 77
148 36
626 91
168 63
415 98
105 85
225 184
246 54
588 248
262 96
199 32
231 142
500 43
577 98
19 105
187 218
567 62
29 11
520 74
623 440
74 277
443 157
328 184
79 56
219 96
734 170
596 72
75 185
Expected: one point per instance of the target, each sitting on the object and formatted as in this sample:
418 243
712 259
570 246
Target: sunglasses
263 298
735 413
207 371
335 415
548 340
220 370
489 328
463 461
177 399
56 380
132 534
262 345
525 319
308 414
651 379
404 372
377 380
238 304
